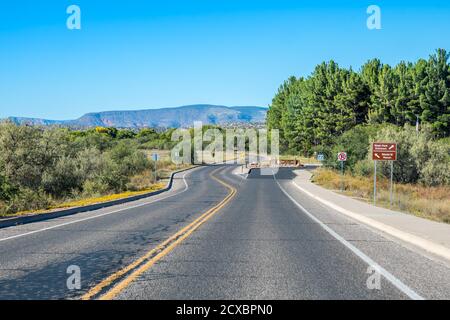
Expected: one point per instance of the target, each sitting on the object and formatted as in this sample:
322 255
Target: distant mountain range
158 118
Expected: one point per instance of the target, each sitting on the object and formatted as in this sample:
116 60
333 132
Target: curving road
254 238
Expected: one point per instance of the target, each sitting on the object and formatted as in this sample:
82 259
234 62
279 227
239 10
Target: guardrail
13 221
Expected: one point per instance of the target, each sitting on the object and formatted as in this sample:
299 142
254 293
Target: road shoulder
432 237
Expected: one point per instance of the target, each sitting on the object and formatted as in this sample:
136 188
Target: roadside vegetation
421 173
337 109
46 168
426 202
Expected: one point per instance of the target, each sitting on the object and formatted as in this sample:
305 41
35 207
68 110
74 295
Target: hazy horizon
139 109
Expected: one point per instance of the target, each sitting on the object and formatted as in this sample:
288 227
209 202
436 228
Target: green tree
278 109
125 134
312 112
435 100
355 143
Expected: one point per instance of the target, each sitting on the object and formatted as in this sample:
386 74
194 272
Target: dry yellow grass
110 197
427 202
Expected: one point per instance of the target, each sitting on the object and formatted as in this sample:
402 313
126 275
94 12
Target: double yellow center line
139 266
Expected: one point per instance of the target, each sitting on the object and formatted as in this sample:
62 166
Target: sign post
392 179
342 157
242 160
155 158
383 151
375 183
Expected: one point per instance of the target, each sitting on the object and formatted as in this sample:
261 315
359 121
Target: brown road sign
384 151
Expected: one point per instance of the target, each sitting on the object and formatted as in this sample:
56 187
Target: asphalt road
267 241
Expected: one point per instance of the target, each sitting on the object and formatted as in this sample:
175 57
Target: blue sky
144 54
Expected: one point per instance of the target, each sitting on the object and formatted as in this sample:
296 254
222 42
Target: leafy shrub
92 139
363 168
26 199
141 181
125 134
90 162
6 190
110 131
54 163
27 151
354 142
129 159
64 177
94 188
436 171
419 157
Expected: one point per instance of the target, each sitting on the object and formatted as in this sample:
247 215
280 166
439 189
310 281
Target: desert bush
129 159
111 176
94 188
6 190
420 158
27 199
91 139
363 168
436 171
27 151
109 131
125 134
54 163
90 162
354 142
63 177
119 164
141 181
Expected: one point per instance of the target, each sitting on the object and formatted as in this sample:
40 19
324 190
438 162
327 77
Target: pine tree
313 111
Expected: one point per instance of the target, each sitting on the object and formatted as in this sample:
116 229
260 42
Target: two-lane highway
258 247
224 237
34 257
263 246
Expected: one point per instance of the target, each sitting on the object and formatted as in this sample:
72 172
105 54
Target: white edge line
405 236
242 176
386 274
98 216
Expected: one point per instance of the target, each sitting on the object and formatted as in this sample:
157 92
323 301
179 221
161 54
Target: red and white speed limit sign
342 156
